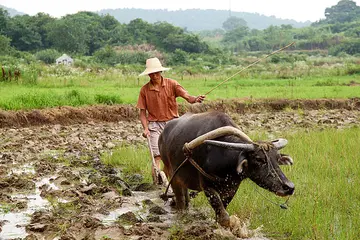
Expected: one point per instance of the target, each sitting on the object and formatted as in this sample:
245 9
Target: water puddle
24 169
14 223
135 204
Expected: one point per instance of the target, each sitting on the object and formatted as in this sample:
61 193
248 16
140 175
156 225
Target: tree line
86 32
339 32
105 39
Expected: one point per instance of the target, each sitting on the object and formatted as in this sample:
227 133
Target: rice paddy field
78 162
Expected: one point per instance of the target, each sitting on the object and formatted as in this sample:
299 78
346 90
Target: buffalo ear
242 163
285 160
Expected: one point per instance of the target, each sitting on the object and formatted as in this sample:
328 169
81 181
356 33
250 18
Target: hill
12 12
197 19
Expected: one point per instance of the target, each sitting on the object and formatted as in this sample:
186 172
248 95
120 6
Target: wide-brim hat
153 65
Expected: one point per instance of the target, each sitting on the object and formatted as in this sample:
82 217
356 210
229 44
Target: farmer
157 104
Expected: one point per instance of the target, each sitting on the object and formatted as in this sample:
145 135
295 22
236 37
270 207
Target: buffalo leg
222 217
226 196
187 198
180 195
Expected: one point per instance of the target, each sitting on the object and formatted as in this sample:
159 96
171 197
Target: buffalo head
260 162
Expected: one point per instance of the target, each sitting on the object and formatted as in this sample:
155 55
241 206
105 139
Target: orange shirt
161 103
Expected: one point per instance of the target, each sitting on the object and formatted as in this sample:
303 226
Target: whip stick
252 64
156 171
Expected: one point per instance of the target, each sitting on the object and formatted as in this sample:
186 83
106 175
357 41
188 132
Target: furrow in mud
75 115
55 186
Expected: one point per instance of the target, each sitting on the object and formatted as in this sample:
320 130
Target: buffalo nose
289 188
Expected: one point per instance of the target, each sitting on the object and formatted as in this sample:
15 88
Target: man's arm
144 123
194 99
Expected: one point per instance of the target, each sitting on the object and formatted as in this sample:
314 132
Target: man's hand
146 133
199 99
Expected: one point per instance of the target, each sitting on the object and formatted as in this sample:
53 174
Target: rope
164 196
187 153
282 205
266 147
212 178
262 146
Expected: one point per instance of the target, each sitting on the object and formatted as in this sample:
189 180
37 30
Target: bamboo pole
252 64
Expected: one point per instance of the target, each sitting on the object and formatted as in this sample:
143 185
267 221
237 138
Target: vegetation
283 76
131 159
84 33
104 40
325 204
339 33
109 55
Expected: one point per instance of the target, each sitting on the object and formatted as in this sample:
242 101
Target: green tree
97 35
277 37
236 35
256 43
234 22
350 46
139 30
108 22
179 57
23 33
4 45
83 32
187 42
40 22
4 20
161 30
106 55
120 35
69 35
344 11
47 56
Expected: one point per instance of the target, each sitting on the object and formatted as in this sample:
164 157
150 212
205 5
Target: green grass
325 205
131 159
326 174
117 89
42 86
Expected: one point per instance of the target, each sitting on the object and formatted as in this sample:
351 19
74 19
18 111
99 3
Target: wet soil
75 115
55 186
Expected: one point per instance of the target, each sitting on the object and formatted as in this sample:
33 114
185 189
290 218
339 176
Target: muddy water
135 204
15 222
61 163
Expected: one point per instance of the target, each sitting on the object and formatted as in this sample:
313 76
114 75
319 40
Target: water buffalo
220 156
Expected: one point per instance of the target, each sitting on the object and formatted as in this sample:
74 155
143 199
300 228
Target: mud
72 115
54 185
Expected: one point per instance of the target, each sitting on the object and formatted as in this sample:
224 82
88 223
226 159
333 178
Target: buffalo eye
260 160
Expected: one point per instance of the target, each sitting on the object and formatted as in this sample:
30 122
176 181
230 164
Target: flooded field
54 185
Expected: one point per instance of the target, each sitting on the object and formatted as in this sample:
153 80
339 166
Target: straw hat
153 65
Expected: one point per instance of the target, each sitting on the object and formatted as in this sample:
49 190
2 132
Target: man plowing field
157 104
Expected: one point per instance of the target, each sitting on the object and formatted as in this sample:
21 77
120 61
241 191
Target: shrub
351 46
4 45
179 57
47 56
353 69
111 57
108 99
131 57
76 97
106 55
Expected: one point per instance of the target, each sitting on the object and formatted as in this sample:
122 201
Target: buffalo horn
219 132
229 145
280 143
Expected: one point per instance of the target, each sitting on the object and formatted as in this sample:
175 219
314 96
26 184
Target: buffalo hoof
224 220
172 203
